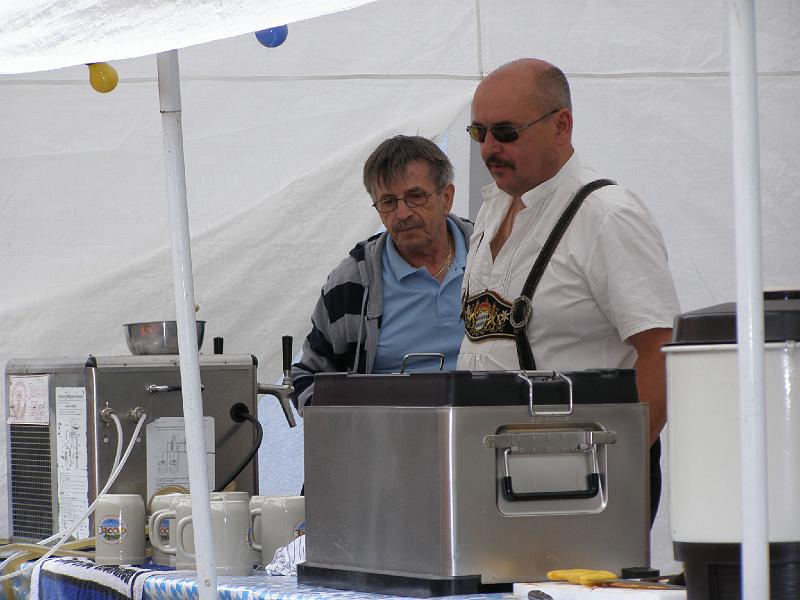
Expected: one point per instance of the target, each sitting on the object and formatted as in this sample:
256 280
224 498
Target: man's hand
651 375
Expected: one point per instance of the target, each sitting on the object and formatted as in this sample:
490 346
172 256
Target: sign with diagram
167 462
72 458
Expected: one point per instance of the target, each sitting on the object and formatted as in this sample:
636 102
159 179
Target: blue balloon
274 36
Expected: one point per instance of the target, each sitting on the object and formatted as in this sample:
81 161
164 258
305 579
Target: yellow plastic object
103 77
587 577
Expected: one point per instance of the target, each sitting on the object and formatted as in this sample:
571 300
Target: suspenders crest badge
487 316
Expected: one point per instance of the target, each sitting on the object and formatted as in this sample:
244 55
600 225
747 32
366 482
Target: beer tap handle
287 380
287 354
284 391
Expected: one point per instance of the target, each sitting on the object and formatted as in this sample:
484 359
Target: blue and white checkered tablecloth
175 586
82 579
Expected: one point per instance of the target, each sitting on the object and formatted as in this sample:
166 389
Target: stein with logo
119 529
231 533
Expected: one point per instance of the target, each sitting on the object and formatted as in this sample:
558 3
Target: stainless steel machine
63 439
431 484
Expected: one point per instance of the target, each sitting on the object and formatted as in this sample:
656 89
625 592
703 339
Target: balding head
545 85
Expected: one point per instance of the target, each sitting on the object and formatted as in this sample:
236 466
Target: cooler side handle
533 443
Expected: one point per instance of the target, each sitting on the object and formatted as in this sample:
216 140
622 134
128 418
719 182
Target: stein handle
154 525
179 536
255 514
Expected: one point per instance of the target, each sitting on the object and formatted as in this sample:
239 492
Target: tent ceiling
48 34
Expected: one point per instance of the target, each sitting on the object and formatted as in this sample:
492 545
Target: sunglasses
502 133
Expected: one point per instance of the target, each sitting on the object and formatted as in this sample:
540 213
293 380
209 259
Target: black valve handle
287 353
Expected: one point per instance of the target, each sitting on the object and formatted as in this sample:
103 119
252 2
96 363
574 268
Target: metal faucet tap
283 391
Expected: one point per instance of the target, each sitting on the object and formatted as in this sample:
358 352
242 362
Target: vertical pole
170 99
478 178
750 300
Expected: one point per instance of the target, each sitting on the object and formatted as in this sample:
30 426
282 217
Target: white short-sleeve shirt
607 280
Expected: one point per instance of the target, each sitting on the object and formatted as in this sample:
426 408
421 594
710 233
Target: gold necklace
447 260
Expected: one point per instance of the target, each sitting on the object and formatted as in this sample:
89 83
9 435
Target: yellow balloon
103 77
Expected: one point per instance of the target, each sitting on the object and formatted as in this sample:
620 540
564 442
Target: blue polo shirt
419 313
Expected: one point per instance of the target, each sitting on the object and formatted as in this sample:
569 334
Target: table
177 586
82 579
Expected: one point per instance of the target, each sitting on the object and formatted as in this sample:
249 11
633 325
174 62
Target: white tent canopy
275 140
41 35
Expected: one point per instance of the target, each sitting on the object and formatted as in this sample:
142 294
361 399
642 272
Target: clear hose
69 531
117 454
26 552
115 418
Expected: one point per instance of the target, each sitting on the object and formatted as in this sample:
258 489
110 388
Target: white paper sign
72 460
29 399
167 462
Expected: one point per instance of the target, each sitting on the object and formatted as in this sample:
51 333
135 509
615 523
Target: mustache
411 222
496 161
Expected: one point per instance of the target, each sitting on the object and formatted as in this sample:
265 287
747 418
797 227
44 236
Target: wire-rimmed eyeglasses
502 133
413 199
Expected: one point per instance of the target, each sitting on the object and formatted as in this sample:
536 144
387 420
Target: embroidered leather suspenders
488 315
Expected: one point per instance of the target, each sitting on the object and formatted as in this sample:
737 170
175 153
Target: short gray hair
552 89
390 160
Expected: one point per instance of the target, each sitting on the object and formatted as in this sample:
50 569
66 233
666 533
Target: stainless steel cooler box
47 476
441 483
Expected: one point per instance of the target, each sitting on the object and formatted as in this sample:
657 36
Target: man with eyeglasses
399 291
566 271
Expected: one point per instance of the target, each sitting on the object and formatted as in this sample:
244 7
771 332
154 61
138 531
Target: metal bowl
157 337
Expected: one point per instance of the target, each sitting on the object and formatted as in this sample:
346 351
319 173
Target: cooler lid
473 388
717 324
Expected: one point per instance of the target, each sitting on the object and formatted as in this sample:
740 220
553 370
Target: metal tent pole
170 99
750 301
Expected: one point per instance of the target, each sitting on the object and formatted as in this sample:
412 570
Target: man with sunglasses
399 291
566 271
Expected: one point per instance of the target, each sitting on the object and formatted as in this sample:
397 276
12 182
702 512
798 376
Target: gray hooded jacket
346 321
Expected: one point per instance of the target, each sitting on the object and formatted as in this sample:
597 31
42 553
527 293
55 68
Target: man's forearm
651 375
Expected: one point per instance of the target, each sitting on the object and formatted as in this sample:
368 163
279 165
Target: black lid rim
717 324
